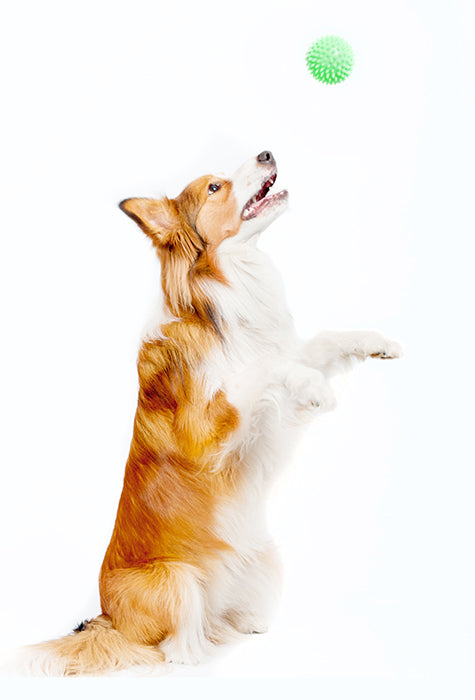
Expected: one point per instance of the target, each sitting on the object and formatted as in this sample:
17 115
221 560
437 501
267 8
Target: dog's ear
156 217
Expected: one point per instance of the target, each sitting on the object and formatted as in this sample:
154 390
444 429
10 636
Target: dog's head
214 207
187 231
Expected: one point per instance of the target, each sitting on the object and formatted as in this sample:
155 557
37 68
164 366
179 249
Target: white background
104 100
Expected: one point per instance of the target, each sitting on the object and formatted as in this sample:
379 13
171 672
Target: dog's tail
94 648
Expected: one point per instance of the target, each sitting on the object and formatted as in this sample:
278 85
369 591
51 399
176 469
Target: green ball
330 59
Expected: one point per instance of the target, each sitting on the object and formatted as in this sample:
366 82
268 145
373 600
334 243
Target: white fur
277 383
247 180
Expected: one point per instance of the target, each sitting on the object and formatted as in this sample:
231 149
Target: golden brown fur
163 533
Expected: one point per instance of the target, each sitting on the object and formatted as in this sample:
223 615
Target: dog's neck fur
252 305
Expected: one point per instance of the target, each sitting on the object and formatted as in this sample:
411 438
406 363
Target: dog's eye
213 187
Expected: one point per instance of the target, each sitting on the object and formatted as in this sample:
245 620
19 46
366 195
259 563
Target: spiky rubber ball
330 59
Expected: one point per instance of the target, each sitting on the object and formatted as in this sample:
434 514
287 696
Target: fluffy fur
225 386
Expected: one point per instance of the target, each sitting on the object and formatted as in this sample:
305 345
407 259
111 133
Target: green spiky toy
330 59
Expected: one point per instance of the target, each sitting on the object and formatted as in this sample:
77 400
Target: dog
225 387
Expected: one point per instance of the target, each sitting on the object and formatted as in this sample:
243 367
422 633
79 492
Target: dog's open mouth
260 201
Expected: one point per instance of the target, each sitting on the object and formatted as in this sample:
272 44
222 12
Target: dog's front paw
310 390
374 344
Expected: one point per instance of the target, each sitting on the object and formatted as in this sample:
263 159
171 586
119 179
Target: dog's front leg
308 389
332 352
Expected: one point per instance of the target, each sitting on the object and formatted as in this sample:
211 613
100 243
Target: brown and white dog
225 385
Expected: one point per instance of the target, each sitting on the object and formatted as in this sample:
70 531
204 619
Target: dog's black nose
266 157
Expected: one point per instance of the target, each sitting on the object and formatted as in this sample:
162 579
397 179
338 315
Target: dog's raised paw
373 344
391 350
310 390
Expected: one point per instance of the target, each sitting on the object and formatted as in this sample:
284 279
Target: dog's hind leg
188 642
255 592
160 603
